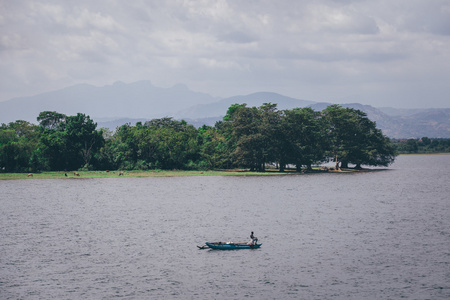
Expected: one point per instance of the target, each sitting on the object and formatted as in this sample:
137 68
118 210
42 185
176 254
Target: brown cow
76 174
120 173
30 175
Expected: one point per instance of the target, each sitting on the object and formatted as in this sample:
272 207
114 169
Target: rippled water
377 235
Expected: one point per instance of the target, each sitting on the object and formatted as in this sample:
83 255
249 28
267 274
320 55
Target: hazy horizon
218 98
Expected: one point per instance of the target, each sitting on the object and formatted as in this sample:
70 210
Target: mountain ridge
141 100
255 99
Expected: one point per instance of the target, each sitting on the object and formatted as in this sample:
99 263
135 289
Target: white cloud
321 50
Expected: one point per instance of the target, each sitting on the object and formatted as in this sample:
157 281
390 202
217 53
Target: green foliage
422 146
250 137
17 143
50 119
302 138
353 138
69 143
158 144
214 149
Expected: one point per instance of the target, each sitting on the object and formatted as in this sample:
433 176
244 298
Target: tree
304 137
228 145
71 143
247 131
353 138
425 141
124 147
158 144
270 131
213 148
411 146
53 154
50 119
18 142
380 151
82 138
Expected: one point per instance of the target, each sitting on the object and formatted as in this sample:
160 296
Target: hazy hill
114 105
256 99
135 100
405 123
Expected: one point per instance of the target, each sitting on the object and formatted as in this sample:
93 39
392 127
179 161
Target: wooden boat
231 246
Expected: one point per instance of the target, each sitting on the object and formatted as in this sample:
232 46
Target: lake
371 235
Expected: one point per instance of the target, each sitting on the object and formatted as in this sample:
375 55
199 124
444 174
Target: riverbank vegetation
423 145
250 138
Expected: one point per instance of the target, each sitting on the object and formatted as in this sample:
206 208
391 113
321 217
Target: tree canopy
247 137
353 138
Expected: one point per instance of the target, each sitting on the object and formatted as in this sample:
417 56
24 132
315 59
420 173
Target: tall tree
53 154
50 119
213 148
70 144
246 128
353 138
304 137
270 131
82 138
18 142
380 151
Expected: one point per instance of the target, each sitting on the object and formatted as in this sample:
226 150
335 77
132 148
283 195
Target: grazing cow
30 175
76 174
120 173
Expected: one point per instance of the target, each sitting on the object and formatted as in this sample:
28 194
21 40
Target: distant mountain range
135 100
114 105
257 99
405 123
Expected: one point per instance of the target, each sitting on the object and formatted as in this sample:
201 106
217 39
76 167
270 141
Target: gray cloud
384 52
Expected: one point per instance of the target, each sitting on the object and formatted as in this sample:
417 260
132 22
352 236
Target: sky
392 53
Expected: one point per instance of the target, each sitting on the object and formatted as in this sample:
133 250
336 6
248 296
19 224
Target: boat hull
231 246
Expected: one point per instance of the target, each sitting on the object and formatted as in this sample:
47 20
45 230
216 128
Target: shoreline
184 173
168 173
440 153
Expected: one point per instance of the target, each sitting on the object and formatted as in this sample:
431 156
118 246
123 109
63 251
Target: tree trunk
344 164
87 151
336 166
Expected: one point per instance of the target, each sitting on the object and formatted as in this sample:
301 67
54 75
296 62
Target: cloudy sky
383 53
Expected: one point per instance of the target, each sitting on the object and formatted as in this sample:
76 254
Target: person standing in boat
254 239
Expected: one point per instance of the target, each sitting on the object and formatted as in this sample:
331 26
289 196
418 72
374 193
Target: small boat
232 246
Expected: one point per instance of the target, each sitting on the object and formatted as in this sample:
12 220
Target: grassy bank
155 173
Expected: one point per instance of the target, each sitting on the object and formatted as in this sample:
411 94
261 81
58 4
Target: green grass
134 173
157 173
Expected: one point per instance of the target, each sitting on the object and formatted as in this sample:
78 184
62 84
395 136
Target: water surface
377 235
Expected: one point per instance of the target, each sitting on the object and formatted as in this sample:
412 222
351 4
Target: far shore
165 173
183 173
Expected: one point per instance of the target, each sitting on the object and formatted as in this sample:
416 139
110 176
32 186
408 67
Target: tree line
247 137
422 146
